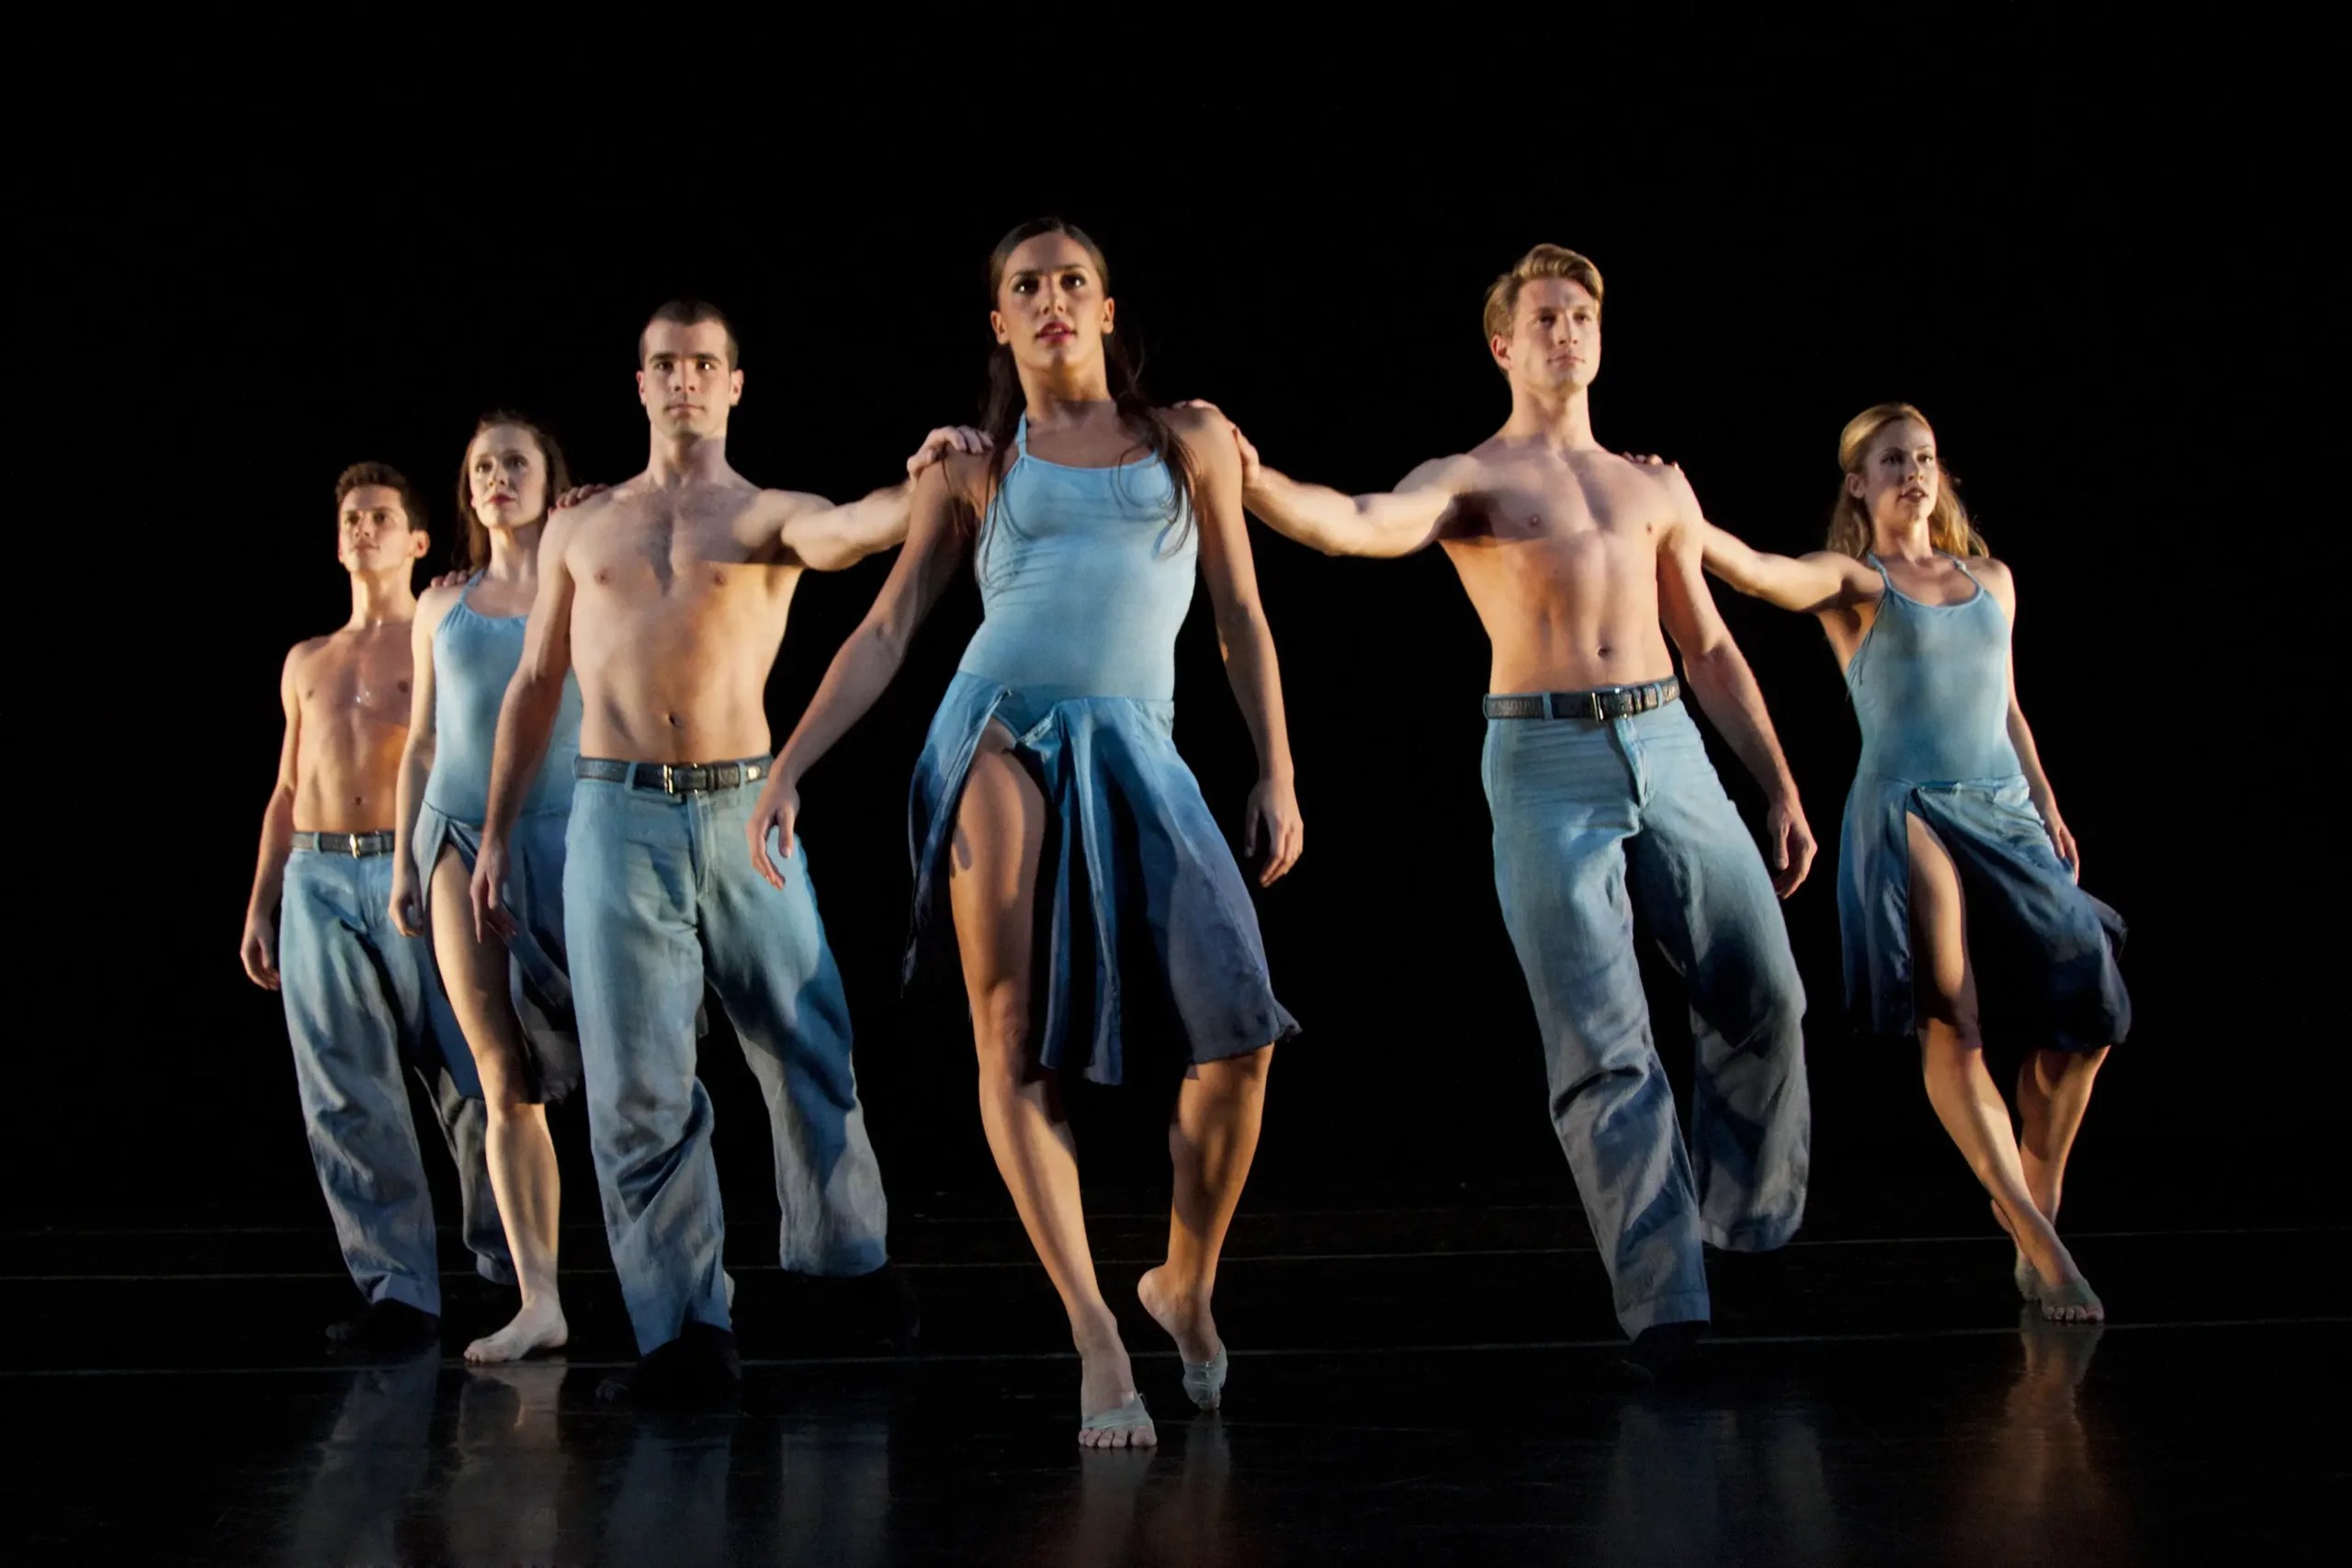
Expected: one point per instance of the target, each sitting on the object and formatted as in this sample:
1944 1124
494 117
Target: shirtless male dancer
1599 786
667 594
362 1001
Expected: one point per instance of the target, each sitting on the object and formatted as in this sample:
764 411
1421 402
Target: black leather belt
352 844
674 778
1598 706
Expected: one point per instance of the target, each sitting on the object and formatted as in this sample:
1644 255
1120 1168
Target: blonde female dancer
1954 848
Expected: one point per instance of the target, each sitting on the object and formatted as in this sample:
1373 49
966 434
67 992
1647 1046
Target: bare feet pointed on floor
539 1326
1111 1414
1185 1315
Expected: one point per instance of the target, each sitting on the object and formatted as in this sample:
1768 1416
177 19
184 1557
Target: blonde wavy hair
1948 528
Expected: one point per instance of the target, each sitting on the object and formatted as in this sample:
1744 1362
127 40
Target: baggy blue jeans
660 895
1593 822
363 1003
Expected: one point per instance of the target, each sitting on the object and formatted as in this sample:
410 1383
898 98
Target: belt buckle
351 845
1598 704
669 779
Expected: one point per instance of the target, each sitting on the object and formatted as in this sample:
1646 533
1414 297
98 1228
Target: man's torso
352 688
679 600
1559 554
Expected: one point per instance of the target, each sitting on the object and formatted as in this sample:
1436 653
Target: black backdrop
2089 271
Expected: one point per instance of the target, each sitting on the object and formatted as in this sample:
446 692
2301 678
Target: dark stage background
2088 272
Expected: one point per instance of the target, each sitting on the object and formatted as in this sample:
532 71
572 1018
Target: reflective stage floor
1417 1376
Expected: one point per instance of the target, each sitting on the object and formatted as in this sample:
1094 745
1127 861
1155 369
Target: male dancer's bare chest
679 546
355 714
1559 548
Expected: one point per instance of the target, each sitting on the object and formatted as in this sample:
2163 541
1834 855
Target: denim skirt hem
2043 951
1142 911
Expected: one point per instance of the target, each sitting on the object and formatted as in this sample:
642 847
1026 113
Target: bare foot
2071 1300
1186 1318
2052 1280
1106 1390
539 1326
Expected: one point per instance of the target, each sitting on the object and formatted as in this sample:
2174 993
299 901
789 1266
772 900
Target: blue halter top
474 655
1085 575
1930 684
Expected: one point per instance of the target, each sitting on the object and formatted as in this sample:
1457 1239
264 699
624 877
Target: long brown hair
1001 408
471 550
1949 527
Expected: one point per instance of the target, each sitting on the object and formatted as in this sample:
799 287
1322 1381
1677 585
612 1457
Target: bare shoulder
1668 478
1998 581
1206 434
436 602
563 528
1456 473
309 650
1193 423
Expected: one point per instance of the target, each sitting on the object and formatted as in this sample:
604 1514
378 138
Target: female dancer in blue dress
1953 847
510 995
1088 882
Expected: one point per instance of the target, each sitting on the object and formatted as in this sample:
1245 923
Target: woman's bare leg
1211 1140
1965 1098
2053 1090
520 1153
991 887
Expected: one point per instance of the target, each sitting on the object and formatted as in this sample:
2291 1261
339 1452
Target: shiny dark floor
1418 1376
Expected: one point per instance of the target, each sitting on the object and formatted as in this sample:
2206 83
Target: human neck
1903 541
1561 419
687 460
380 597
1058 397
514 553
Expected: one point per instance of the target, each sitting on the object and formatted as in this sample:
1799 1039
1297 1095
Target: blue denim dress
1930 684
1085 575
474 656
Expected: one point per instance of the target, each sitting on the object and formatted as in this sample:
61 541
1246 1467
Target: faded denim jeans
364 1007
659 895
1594 821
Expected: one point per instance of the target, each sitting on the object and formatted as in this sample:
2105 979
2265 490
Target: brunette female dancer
1053 746
511 997
1953 843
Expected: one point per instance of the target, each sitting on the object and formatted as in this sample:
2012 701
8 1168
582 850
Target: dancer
1051 798
361 998
669 595
1952 848
510 997
1601 787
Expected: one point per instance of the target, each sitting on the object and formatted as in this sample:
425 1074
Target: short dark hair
387 476
690 313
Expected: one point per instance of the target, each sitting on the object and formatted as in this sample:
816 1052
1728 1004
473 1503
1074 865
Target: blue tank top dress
474 656
1085 575
1930 686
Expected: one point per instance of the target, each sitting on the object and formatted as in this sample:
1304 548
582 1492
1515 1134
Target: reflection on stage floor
1430 1381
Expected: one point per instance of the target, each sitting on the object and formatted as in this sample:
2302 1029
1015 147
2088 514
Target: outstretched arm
863 668
525 722
1825 579
416 764
1246 641
1394 522
1726 688
259 946
2003 586
825 538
